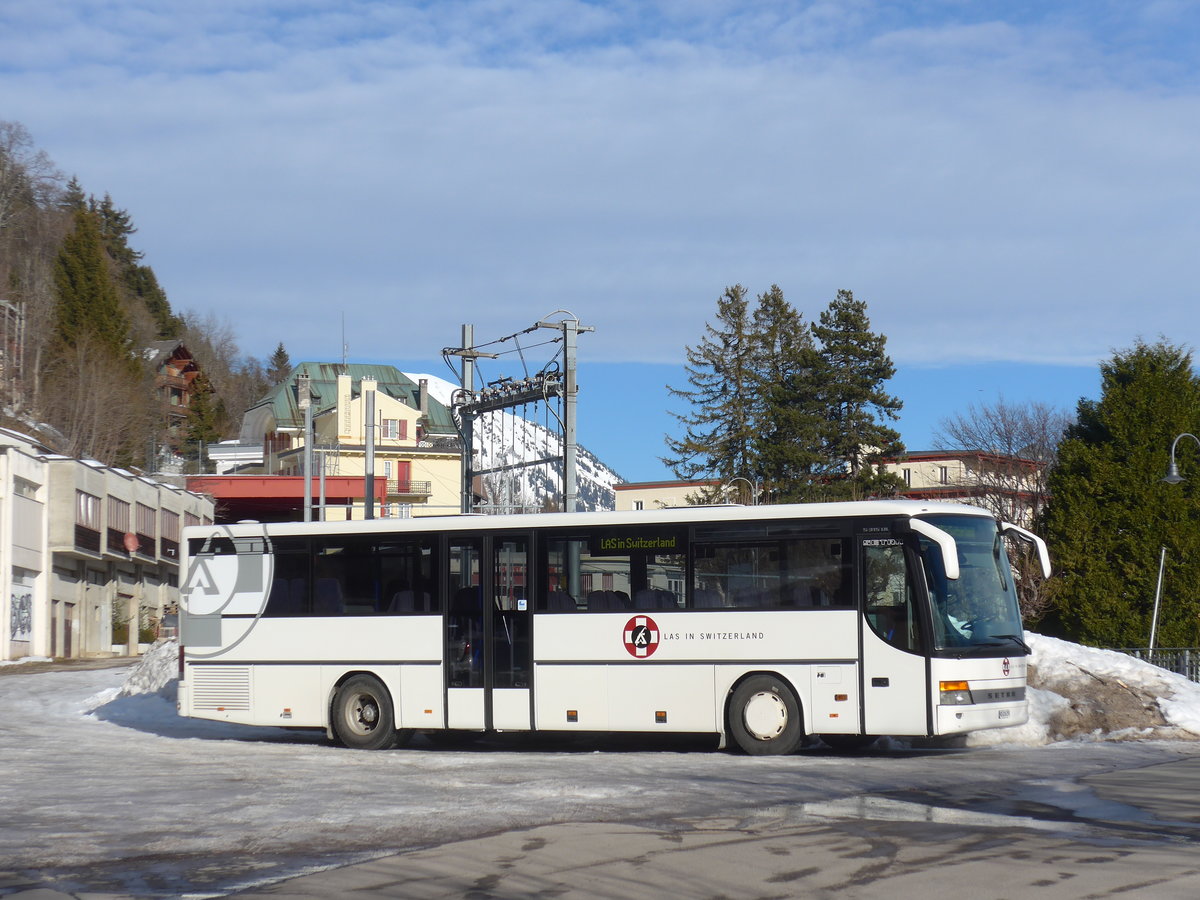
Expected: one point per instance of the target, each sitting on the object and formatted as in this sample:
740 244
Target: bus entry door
895 676
488 628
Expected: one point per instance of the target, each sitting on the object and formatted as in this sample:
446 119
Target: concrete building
1009 486
659 494
87 549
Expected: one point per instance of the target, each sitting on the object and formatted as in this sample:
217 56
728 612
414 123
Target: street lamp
1173 476
754 486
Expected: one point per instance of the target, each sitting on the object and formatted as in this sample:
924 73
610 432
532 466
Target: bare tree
1010 450
28 179
31 228
98 408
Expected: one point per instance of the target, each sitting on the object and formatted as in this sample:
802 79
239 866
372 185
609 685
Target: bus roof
676 515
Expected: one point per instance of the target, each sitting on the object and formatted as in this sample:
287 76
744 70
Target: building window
190 519
638 504
87 510
944 474
145 521
169 544
118 525
906 474
87 521
22 487
395 429
118 515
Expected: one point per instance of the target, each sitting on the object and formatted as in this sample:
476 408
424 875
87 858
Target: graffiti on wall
22 615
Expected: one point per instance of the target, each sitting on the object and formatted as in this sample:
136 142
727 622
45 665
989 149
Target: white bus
760 625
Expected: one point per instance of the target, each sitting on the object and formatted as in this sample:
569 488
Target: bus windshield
979 609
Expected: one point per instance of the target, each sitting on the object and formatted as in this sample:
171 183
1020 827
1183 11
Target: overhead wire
551 388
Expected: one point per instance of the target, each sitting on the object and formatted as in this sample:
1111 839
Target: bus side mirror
1030 538
943 540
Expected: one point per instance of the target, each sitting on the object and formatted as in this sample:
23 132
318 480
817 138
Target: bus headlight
955 693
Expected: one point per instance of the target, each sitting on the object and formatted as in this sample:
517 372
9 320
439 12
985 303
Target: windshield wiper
1013 637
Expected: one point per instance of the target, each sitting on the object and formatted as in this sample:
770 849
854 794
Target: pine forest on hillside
79 309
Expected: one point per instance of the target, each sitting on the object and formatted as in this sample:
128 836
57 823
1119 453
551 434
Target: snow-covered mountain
502 438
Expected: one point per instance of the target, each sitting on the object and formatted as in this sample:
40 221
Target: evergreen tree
788 420
138 284
206 414
115 227
279 366
718 439
1110 513
73 198
854 368
87 301
141 285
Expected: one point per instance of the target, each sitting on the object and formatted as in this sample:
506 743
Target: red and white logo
641 636
1006 666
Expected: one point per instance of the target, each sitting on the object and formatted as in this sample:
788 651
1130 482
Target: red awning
279 498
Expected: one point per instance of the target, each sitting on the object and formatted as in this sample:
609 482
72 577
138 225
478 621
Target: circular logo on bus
1006 666
641 636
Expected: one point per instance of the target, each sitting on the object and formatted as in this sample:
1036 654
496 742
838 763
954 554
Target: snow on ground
109 789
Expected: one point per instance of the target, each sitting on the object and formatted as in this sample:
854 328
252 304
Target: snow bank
156 672
1083 693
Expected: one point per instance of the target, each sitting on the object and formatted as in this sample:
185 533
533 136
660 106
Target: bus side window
289 588
407 576
817 574
559 561
559 601
736 575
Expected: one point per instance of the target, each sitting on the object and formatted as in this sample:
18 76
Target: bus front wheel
764 717
362 714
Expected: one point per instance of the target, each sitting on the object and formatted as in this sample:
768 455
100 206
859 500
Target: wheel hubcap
765 716
366 714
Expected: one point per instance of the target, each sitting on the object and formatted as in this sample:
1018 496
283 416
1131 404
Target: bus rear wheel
362 714
764 717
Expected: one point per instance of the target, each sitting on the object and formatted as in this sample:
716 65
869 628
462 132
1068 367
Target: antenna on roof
345 347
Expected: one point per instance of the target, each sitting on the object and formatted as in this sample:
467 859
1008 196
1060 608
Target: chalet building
417 450
175 372
85 547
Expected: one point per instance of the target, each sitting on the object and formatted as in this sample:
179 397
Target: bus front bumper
958 719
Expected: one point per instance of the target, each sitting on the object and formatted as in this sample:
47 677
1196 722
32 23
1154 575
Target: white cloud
988 185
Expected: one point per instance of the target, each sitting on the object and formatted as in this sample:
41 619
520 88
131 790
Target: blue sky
1012 187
